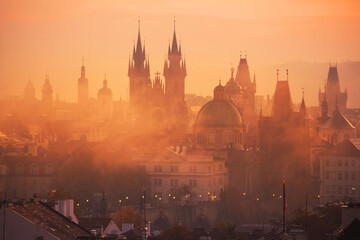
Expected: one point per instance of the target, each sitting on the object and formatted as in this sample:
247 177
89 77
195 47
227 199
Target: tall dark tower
139 73
47 92
29 91
333 92
175 72
83 87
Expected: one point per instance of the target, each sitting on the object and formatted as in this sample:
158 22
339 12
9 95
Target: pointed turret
333 90
175 72
139 72
302 110
29 91
282 104
83 87
47 92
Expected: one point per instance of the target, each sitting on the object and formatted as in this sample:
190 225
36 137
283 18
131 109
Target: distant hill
311 76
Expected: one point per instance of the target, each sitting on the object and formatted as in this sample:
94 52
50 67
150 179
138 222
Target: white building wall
340 179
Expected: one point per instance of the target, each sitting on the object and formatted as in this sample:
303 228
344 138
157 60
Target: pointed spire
83 68
138 44
105 81
302 105
174 47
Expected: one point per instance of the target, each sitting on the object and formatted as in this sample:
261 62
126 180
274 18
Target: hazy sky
42 36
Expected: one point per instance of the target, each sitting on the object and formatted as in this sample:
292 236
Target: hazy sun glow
40 37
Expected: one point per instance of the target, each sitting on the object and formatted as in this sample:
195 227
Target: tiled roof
350 147
338 121
49 220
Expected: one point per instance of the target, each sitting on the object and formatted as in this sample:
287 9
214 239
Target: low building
100 226
26 176
340 172
171 169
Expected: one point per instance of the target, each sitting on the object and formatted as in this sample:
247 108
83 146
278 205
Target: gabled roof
352 231
338 121
91 223
350 147
49 220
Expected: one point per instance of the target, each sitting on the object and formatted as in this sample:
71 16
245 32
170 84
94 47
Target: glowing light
273 194
318 195
155 195
120 201
87 200
142 196
244 194
353 189
173 197
126 198
160 198
169 194
78 204
200 195
257 199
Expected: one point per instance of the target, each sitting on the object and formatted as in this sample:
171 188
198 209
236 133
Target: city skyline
212 37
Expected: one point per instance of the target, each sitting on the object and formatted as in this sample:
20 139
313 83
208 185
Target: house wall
340 178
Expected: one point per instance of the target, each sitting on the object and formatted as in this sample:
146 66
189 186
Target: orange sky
41 36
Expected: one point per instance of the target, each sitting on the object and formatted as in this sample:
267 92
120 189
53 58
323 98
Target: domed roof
219 113
104 90
233 87
219 88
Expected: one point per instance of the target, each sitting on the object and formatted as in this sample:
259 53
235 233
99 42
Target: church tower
105 102
83 87
29 91
333 92
47 92
139 73
175 72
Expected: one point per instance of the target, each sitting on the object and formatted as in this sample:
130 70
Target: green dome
219 113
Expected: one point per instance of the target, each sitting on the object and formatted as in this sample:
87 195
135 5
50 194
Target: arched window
19 169
34 169
211 137
227 137
49 169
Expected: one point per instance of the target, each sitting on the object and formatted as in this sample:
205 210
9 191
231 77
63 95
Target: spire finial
245 54
219 81
287 75
232 72
240 54
277 74
174 23
138 23
83 60
302 92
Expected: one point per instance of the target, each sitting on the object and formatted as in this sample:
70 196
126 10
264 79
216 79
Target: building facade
340 173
